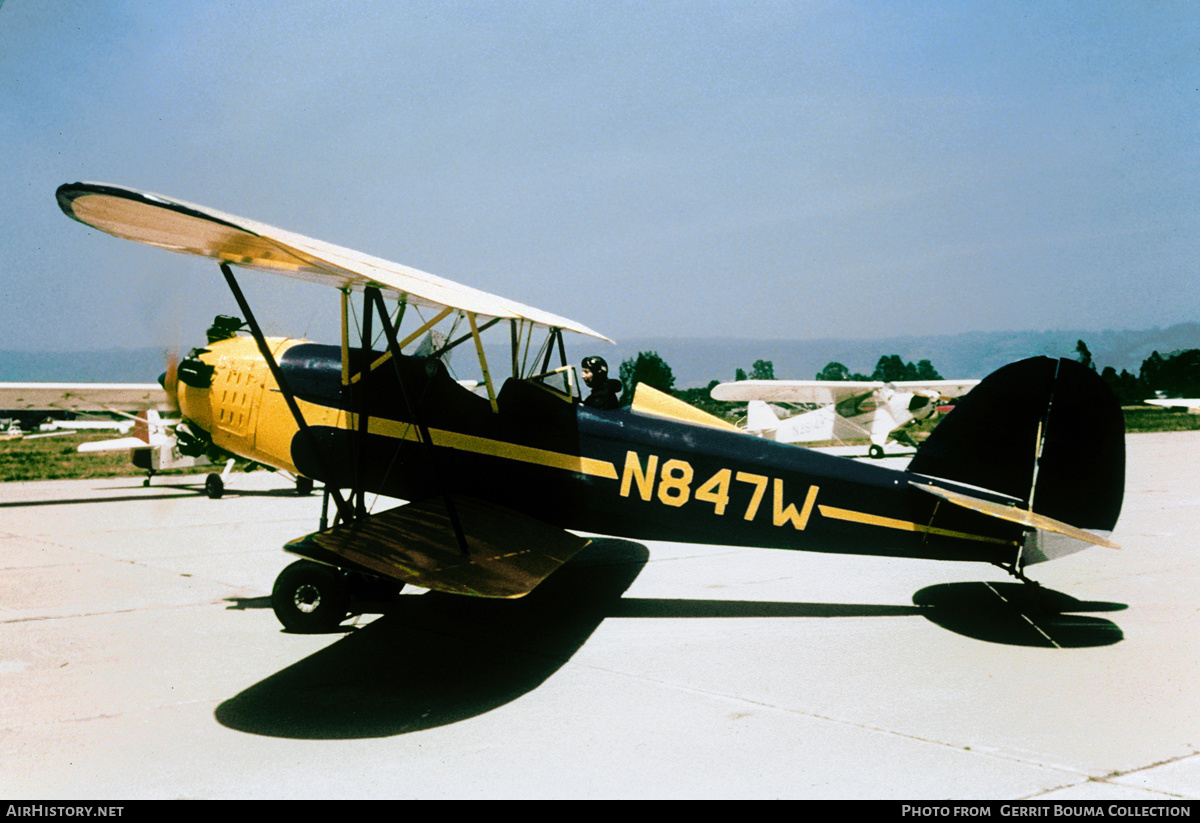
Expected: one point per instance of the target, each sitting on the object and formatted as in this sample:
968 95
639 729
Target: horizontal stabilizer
508 555
1022 517
119 444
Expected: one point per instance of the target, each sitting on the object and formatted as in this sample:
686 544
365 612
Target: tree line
649 368
1176 374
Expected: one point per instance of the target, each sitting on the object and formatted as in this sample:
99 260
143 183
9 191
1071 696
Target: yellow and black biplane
501 477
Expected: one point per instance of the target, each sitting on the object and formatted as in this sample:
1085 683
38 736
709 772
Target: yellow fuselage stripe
400 430
903 525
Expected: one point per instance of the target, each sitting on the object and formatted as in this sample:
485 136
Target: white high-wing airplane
151 443
849 409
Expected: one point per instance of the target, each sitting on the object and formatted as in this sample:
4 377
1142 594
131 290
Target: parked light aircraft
151 441
1029 467
849 410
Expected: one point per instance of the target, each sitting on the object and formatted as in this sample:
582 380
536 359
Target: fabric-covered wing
509 553
827 392
190 229
824 392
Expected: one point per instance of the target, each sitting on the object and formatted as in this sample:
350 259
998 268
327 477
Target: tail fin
760 418
1048 432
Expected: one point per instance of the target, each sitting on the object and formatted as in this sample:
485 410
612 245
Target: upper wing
190 229
827 392
81 397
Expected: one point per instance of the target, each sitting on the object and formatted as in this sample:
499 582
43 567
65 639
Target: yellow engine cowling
231 408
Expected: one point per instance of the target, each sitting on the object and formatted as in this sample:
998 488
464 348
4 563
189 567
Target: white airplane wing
190 229
824 392
82 397
1190 403
827 392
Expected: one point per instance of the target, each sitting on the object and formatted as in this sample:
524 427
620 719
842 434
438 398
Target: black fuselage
616 472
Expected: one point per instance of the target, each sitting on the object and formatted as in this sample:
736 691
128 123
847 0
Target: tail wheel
214 486
876 451
310 598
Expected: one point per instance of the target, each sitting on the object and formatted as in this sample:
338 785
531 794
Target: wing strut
342 506
364 366
371 296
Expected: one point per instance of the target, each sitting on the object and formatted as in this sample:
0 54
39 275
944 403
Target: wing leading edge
828 392
186 228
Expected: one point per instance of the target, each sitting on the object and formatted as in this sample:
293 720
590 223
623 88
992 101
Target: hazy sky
748 169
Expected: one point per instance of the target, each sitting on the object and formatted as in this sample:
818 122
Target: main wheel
304 485
876 451
310 598
214 486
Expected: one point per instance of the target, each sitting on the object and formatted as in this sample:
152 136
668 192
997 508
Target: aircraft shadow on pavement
1008 613
1018 615
179 491
433 659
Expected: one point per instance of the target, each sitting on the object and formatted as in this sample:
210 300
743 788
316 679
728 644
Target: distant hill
696 361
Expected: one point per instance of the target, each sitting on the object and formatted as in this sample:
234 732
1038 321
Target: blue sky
750 169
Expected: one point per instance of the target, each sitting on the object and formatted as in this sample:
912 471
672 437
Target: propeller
169 380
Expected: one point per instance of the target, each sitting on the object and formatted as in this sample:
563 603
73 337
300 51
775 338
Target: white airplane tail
761 419
143 427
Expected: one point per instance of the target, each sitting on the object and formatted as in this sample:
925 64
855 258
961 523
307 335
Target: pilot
604 388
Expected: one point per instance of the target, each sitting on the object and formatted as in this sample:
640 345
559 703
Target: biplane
500 482
846 409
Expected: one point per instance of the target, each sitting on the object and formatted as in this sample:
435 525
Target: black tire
310 598
304 486
214 486
875 452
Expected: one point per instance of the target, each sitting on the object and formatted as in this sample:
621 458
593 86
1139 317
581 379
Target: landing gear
310 598
304 486
214 486
875 452
313 598
1017 570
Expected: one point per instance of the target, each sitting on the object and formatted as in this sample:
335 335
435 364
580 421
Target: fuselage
409 431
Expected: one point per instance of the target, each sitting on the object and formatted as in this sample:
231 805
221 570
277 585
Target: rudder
1046 428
